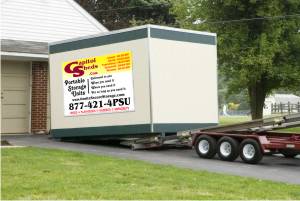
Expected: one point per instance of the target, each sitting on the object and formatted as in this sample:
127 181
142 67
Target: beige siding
15 93
45 20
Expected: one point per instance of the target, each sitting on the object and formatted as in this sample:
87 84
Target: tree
118 14
258 42
240 98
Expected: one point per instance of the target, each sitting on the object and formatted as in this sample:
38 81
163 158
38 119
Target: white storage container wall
174 75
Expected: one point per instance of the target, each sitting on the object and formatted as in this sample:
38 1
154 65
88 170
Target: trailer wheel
206 146
288 153
250 151
228 148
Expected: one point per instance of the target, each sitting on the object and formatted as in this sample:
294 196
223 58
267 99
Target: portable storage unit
142 80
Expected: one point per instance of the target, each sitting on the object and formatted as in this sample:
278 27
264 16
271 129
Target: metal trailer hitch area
159 141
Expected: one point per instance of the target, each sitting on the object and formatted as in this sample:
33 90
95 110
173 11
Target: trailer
249 140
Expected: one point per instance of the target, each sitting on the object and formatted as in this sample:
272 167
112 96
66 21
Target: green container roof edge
133 34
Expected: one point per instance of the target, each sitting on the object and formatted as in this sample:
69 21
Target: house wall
39 97
26 29
25 97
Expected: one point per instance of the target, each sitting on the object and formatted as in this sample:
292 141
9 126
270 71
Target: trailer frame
258 133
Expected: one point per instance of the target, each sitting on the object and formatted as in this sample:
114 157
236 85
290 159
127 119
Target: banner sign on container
98 85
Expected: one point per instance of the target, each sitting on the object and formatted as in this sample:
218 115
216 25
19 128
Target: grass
35 173
226 120
239 119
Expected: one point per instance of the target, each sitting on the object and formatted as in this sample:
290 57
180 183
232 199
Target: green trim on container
175 127
132 35
99 40
182 36
101 131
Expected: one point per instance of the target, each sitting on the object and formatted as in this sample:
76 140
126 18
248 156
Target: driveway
275 168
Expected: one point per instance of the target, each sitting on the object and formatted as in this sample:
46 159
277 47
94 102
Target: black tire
256 155
212 146
228 148
289 153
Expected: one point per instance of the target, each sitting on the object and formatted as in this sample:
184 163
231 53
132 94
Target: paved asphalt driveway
274 168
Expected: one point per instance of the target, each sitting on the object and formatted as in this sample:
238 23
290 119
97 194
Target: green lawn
239 119
226 120
34 173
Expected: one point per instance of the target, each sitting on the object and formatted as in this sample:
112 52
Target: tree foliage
118 14
259 53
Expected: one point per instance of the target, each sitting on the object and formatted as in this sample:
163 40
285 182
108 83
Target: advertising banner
98 85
